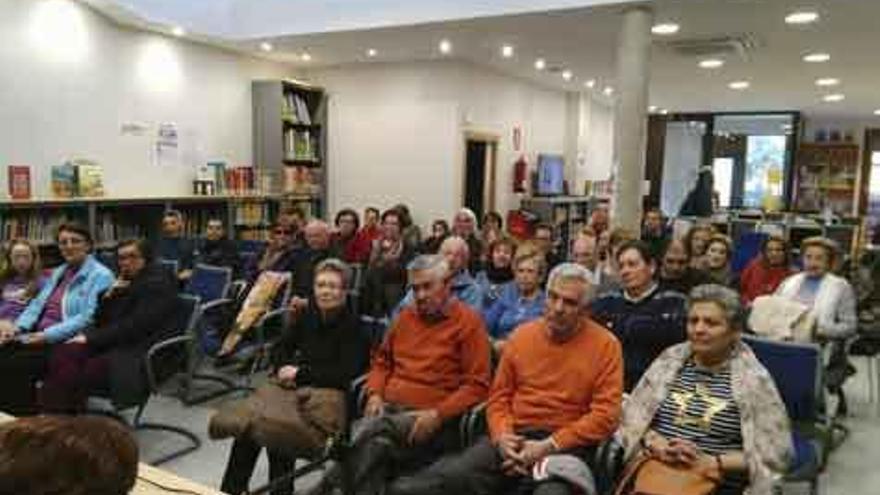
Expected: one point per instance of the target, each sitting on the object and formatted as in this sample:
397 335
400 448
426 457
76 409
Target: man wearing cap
556 395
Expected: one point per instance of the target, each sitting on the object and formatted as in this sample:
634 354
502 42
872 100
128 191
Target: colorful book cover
63 181
90 179
19 181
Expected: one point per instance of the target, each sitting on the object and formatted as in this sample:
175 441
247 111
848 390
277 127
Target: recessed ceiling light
178 31
652 108
567 75
665 29
608 91
266 46
827 81
507 51
833 98
877 112
816 58
711 63
371 52
445 47
802 17
590 83
305 57
664 111
540 64
739 85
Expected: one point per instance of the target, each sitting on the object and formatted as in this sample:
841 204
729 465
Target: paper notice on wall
166 151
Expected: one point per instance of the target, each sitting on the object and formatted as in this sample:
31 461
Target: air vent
741 45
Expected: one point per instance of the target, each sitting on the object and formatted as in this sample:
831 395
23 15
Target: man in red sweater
432 366
557 390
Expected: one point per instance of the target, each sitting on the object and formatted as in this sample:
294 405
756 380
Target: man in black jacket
108 357
218 250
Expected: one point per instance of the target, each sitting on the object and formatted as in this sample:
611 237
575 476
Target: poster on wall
167 146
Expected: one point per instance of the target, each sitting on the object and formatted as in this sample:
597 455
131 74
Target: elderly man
464 225
432 366
318 248
456 253
676 273
557 391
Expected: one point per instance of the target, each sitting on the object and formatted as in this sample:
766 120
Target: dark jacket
645 328
285 263
329 353
222 252
691 278
127 323
304 268
176 248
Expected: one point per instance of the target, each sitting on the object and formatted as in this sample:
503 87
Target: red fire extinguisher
520 175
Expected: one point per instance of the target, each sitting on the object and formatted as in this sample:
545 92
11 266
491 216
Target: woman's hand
287 375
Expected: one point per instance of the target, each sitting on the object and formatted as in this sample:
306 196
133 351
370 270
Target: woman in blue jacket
519 301
64 307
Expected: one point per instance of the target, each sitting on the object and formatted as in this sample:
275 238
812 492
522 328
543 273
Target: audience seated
385 278
492 222
82 455
295 218
584 253
696 241
432 367
411 233
545 241
173 246
709 405
599 220
455 251
464 225
608 244
279 255
315 361
676 272
346 241
719 250
317 248
370 231
439 233
557 391
645 319
497 269
217 249
654 232
64 307
766 271
20 281
520 301
137 311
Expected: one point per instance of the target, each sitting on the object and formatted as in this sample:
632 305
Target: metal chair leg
139 425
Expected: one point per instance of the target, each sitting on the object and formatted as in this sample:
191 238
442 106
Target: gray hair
469 213
724 297
459 242
573 271
429 262
335 265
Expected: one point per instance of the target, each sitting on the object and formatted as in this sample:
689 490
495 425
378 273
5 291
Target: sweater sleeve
844 320
71 326
499 413
474 386
604 410
381 363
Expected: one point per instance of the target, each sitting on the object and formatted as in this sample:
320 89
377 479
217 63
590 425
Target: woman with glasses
63 309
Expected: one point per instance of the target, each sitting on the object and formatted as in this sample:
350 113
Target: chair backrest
747 247
374 329
170 265
210 282
797 371
187 314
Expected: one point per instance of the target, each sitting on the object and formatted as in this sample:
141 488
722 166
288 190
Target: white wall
396 132
69 78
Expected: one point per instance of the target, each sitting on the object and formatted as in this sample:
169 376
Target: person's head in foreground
331 280
569 291
715 323
70 455
429 277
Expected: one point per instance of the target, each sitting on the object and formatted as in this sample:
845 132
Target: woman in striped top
709 404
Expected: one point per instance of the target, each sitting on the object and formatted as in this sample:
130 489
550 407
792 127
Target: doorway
480 152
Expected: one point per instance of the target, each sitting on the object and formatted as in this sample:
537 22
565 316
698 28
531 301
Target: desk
155 481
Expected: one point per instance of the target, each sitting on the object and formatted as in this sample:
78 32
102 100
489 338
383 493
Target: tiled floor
852 468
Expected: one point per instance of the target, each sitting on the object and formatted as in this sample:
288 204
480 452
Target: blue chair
747 247
797 371
211 283
170 265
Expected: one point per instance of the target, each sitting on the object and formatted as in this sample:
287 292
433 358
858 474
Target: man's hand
510 445
297 305
78 339
34 339
535 450
287 375
426 424
375 406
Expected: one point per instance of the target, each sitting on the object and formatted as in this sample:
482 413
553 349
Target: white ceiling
581 39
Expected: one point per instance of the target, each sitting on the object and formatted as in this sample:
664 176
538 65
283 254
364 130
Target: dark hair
33 275
442 223
776 238
501 241
672 242
75 228
143 247
294 210
372 209
396 213
494 216
724 241
403 215
639 246
348 211
74 455
688 238
173 213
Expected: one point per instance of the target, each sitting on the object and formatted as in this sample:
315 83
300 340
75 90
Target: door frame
489 183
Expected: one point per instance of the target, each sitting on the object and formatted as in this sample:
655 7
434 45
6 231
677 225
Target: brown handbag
647 475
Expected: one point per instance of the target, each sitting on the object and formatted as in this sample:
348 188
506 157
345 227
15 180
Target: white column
630 123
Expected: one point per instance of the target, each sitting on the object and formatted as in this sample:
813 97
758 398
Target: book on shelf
19 181
89 179
218 172
302 180
251 214
63 181
300 145
240 180
36 226
295 110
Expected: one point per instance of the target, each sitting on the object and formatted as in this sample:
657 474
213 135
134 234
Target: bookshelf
827 174
290 139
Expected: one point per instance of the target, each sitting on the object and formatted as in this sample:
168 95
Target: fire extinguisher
520 175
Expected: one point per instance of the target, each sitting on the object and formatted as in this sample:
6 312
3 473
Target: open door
479 173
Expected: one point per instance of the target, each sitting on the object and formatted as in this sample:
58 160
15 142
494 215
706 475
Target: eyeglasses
71 241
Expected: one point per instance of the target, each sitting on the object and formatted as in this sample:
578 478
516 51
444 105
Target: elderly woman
719 250
708 404
763 274
521 300
498 270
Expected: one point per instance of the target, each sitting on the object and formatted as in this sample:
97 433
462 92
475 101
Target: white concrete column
630 122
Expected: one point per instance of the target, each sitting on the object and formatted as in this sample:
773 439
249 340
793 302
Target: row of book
295 110
37 227
300 146
75 178
251 214
112 227
300 180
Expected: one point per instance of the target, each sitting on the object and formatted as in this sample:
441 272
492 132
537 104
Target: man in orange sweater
432 366
557 390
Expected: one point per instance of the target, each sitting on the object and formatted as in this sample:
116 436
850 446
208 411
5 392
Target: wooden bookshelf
827 174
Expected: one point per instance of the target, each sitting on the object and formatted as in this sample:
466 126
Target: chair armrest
160 346
216 303
260 327
358 390
469 427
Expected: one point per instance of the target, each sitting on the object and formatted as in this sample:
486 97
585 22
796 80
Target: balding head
675 260
317 233
456 252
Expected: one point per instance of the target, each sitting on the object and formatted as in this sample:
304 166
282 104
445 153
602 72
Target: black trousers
21 367
242 460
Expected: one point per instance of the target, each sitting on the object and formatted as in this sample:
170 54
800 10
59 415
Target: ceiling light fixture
664 111
711 63
817 58
306 57
802 17
827 81
833 98
590 83
665 29
567 75
877 112
652 108
608 91
266 46
507 51
739 85
540 64
371 52
178 31
445 47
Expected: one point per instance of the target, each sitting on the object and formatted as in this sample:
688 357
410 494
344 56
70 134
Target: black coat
128 321
304 269
222 252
